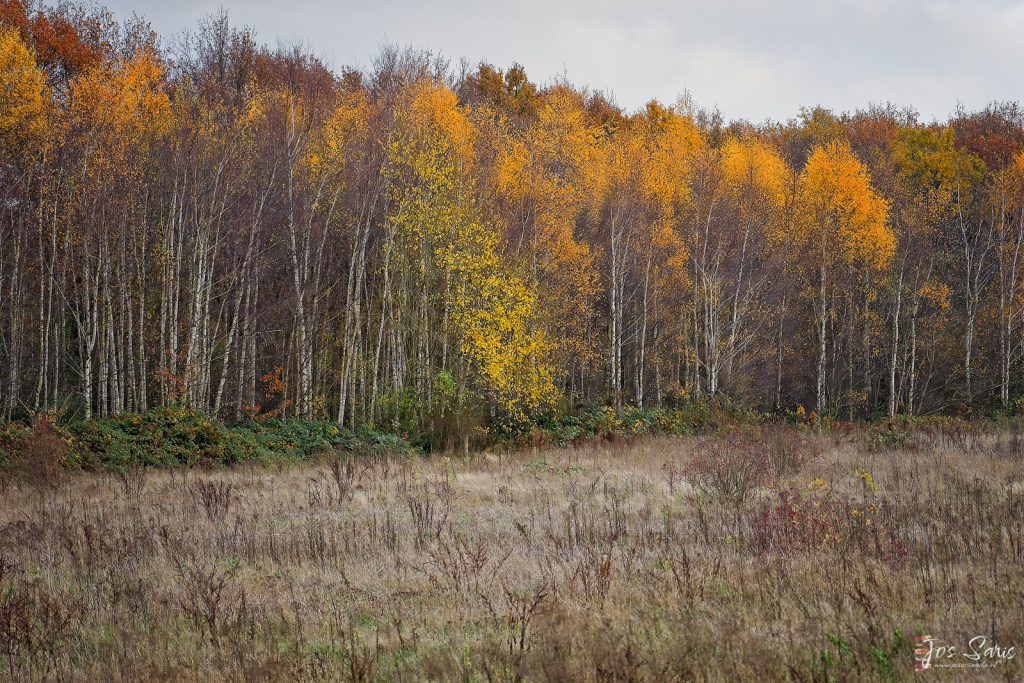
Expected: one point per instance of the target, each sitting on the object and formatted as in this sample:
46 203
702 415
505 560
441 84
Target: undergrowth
173 436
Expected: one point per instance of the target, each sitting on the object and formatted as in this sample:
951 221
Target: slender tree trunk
822 338
894 351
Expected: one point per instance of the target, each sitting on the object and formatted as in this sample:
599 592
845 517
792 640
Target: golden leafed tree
841 224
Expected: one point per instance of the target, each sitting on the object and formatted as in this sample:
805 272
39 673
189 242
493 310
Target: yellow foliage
754 167
544 177
934 175
552 162
494 312
331 150
444 238
666 241
668 144
23 94
651 160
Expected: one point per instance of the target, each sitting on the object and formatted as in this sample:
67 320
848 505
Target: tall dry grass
774 555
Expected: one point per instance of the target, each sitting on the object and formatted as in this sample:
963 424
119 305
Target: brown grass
640 561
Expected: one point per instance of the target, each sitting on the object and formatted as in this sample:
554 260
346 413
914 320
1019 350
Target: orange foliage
752 167
839 209
117 105
23 107
543 176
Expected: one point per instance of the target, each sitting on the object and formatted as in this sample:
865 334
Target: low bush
731 469
606 423
161 437
35 454
176 435
172 436
788 449
12 441
816 519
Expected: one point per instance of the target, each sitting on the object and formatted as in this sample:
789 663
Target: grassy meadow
772 553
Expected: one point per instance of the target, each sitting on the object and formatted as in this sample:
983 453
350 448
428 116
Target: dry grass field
775 555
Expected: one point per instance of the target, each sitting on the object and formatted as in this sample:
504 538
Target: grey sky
753 59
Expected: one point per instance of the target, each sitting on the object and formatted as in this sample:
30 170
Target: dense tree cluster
240 229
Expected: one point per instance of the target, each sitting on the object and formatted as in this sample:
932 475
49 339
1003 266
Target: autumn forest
213 222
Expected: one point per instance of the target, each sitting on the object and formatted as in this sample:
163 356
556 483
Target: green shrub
162 437
173 436
604 423
176 435
12 441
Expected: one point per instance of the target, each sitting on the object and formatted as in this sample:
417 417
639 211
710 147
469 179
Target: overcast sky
753 59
